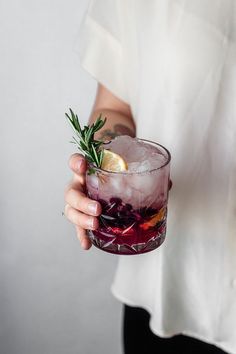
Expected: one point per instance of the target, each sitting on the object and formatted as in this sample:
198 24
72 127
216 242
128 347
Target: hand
79 209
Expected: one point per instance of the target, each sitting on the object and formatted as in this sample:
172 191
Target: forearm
117 123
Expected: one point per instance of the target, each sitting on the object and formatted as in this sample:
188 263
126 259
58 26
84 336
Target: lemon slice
113 162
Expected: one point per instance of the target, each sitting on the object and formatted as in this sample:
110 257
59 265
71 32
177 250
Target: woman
166 72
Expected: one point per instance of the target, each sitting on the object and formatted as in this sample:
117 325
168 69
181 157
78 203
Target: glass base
124 249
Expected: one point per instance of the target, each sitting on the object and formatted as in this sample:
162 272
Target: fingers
80 219
79 209
78 165
83 238
77 200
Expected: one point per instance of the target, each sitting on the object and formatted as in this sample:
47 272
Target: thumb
77 164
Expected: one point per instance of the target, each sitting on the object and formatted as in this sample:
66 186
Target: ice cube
139 155
140 166
138 187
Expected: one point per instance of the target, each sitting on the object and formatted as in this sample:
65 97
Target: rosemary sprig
84 139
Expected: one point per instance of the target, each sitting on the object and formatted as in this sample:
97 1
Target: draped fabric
174 62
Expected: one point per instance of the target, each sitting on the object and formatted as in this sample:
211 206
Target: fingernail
92 208
91 223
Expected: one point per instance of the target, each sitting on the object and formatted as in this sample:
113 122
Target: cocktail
133 195
134 202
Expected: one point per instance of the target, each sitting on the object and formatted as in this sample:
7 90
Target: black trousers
138 338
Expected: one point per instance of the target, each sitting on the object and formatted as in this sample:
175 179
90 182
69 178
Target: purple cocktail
134 202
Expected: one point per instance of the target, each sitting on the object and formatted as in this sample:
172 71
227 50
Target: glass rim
101 170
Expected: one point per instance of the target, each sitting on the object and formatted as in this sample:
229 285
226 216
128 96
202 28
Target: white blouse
174 62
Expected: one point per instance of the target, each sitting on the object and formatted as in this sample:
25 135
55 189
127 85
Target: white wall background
54 297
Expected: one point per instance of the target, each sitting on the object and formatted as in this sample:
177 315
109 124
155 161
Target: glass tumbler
134 206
